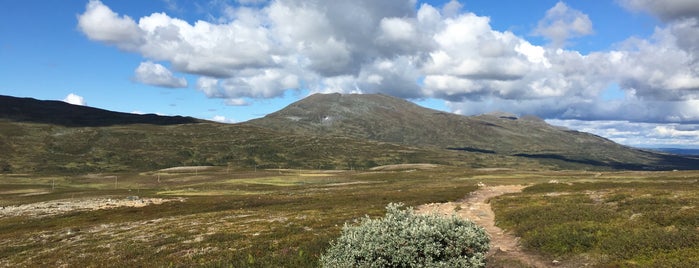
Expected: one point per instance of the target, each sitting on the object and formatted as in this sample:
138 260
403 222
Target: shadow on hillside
61 113
473 150
664 162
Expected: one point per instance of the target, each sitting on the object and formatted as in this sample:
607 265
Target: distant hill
55 137
45 148
388 119
65 114
320 132
679 151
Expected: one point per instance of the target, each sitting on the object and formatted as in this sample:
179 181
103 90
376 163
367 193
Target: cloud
154 74
664 68
568 108
397 47
209 86
251 2
222 119
452 9
100 23
667 10
562 23
216 50
673 132
237 102
75 99
636 134
254 83
335 38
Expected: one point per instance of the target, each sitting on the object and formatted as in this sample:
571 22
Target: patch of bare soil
55 207
186 169
399 167
351 183
26 192
476 207
494 169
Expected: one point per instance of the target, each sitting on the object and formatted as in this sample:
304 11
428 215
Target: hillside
51 136
389 119
64 114
42 148
320 132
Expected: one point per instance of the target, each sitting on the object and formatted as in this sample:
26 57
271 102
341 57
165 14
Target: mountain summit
389 119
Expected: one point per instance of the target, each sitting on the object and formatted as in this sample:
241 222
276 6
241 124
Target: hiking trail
476 207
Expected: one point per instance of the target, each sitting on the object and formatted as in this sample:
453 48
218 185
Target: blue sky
627 70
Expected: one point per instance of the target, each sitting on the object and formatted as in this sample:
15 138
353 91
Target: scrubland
221 216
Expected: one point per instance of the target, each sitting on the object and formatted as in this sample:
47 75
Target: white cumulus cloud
101 24
74 99
665 9
562 23
237 102
222 119
400 48
638 134
154 74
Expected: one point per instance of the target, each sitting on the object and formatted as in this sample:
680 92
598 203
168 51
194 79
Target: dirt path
476 208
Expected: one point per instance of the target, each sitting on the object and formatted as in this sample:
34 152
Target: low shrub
405 239
638 224
565 238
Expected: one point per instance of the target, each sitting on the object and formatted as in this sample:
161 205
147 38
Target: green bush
405 239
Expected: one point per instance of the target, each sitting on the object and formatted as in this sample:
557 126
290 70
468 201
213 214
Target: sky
627 70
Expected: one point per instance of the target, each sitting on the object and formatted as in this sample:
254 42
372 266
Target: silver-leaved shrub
403 238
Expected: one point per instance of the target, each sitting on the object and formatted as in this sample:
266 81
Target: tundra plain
221 216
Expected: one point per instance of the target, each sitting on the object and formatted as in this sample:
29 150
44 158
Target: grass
243 218
269 223
35 148
634 220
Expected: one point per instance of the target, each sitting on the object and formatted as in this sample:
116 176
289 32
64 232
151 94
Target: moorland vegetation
276 192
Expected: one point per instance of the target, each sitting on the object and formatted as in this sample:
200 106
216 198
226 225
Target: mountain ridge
320 132
389 119
66 114
59 138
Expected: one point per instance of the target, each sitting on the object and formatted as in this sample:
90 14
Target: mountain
55 137
65 114
320 132
388 119
679 151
